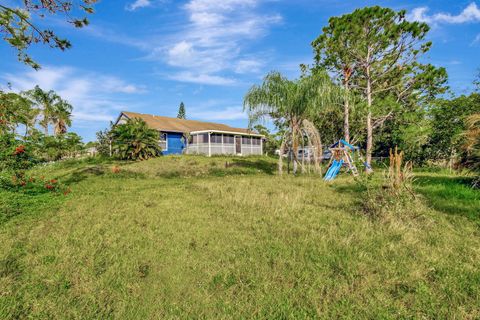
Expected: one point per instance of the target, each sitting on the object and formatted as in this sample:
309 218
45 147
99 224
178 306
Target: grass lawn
196 237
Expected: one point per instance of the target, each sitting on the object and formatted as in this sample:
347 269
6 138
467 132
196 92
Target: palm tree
61 117
134 140
291 104
46 102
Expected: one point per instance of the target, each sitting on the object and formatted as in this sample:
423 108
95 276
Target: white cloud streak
470 14
214 40
207 79
138 4
476 41
94 97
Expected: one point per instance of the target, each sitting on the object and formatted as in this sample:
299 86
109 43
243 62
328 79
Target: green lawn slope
197 237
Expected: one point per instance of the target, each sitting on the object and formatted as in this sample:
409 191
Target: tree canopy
377 50
20 28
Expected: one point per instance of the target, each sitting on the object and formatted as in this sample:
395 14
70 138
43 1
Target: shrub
15 159
393 194
134 140
399 178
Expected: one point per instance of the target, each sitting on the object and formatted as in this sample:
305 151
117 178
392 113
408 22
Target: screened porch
212 143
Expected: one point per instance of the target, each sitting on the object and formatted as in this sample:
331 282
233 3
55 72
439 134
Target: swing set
343 154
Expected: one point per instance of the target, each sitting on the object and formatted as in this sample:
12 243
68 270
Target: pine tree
181 111
376 51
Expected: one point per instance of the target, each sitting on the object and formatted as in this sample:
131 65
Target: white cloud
248 66
470 14
138 4
214 41
207 79
476 40
94 97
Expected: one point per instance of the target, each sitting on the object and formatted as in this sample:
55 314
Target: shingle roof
181 125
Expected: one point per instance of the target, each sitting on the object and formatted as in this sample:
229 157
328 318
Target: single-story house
197 137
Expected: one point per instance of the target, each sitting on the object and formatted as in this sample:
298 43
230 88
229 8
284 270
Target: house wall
175 143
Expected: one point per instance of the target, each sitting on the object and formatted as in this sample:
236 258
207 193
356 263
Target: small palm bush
134 140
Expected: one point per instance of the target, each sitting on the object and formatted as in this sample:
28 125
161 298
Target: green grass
196 237
449 193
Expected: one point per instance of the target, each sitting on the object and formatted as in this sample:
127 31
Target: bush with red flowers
15 160
32 185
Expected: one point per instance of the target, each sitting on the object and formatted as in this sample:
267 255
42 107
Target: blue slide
333 170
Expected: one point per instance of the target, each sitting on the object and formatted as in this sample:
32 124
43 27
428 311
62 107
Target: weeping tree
291 104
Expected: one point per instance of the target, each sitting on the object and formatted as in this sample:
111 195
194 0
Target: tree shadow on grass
264 166
81 174
450 195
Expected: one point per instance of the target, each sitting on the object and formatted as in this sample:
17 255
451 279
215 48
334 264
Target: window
245 140
227 139
216 138
256 141
203 138
163 142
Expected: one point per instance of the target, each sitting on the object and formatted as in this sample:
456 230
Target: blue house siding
175 144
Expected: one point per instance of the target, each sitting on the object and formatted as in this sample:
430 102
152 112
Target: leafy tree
331 53
19 24
53 147
181 111
104 142
14 110
376 50
291 105
471 158
73 144
134 140
449 121
272 141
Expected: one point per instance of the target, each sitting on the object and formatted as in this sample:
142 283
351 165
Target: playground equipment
342 155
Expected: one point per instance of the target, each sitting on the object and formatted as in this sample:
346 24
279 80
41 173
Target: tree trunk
294 147
346 114
369 123
280 157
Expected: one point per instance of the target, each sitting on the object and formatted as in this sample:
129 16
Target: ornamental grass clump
392 195
399 178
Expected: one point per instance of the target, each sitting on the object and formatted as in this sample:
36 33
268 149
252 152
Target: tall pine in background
181 111
374 51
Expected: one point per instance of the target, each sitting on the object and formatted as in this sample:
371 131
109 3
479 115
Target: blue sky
149 55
